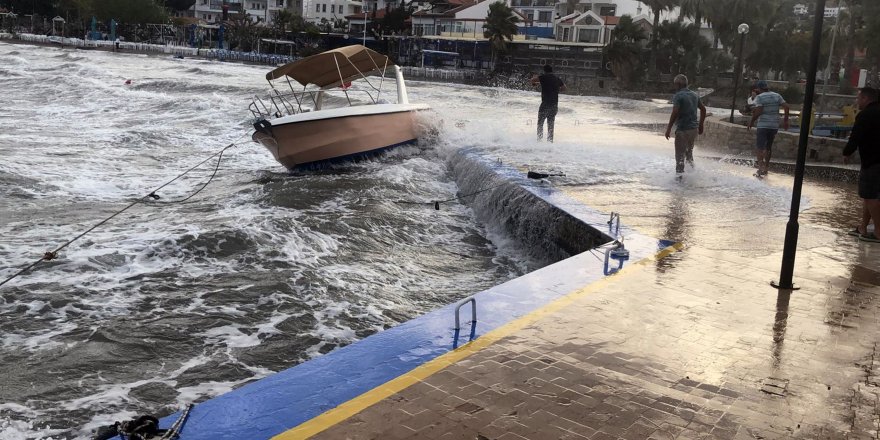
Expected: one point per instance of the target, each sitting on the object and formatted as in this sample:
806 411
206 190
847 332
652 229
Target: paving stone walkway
696 345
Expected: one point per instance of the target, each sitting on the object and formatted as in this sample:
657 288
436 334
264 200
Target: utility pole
791 229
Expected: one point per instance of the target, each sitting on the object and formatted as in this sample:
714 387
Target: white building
462 19
317 11
262 11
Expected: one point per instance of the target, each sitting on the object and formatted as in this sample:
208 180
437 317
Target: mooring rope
436 203
51 255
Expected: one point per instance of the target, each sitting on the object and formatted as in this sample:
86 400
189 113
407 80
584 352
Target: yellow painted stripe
422 372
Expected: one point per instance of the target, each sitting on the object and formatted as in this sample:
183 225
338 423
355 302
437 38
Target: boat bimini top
323 72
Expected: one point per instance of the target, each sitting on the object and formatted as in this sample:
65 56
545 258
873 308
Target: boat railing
278 104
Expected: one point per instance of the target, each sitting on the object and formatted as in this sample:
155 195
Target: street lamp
743 29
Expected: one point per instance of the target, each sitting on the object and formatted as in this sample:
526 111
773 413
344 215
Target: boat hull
308 141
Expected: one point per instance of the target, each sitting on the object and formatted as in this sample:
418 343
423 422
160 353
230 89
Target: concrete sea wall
734 139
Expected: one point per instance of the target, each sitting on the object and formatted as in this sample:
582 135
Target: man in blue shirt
766 112
685 104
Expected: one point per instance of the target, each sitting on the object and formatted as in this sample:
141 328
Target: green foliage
394 20
129 11
792 94
625 51
657 7
680 47
627 31
242 32
500 25
179 5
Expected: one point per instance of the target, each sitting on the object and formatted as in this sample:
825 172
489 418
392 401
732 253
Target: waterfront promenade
693 345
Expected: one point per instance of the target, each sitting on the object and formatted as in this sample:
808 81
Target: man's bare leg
866 219
762 161
873 207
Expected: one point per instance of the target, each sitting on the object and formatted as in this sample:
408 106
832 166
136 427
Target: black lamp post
791 229
743 29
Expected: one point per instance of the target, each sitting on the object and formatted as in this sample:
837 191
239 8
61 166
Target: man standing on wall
865 137
766 112
551 85
685 104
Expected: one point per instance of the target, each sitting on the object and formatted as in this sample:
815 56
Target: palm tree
283 20
656 6
694 9
500 25
854 37
625 50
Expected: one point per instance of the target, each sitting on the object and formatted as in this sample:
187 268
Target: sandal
855 232
869 237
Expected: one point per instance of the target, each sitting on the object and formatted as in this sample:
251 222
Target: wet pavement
695 345
691 345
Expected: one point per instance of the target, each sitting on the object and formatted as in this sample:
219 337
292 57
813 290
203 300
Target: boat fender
264 126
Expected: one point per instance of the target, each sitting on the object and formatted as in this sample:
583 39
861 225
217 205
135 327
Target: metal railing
278 104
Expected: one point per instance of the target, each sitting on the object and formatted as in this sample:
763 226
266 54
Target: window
210 17
318 7
588 36
324 7
279 3
332 9
527 13
545 16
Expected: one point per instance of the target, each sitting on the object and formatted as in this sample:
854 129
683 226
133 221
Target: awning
333 66
440 52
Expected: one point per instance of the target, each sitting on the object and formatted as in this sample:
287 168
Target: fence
211 54
440 74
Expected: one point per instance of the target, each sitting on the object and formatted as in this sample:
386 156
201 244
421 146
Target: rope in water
437 203
51 255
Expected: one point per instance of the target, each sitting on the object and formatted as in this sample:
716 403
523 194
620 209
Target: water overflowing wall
506 199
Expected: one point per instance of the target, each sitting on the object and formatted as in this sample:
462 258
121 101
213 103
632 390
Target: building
262 11
458 19
323 11
539 13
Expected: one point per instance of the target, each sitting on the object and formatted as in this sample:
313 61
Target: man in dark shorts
766 113
551 85
865 137
685 105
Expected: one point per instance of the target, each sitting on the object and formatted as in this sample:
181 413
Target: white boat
301 130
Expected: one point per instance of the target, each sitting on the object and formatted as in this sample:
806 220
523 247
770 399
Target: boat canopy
333 66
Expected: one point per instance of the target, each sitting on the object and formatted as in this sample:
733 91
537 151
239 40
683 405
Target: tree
243 32
656 6
282 22
179 5
681 47
130 11
394 20
694 9
625 50
500 25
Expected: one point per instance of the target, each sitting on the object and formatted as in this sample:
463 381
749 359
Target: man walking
685 104
551 85
865 137
766 112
